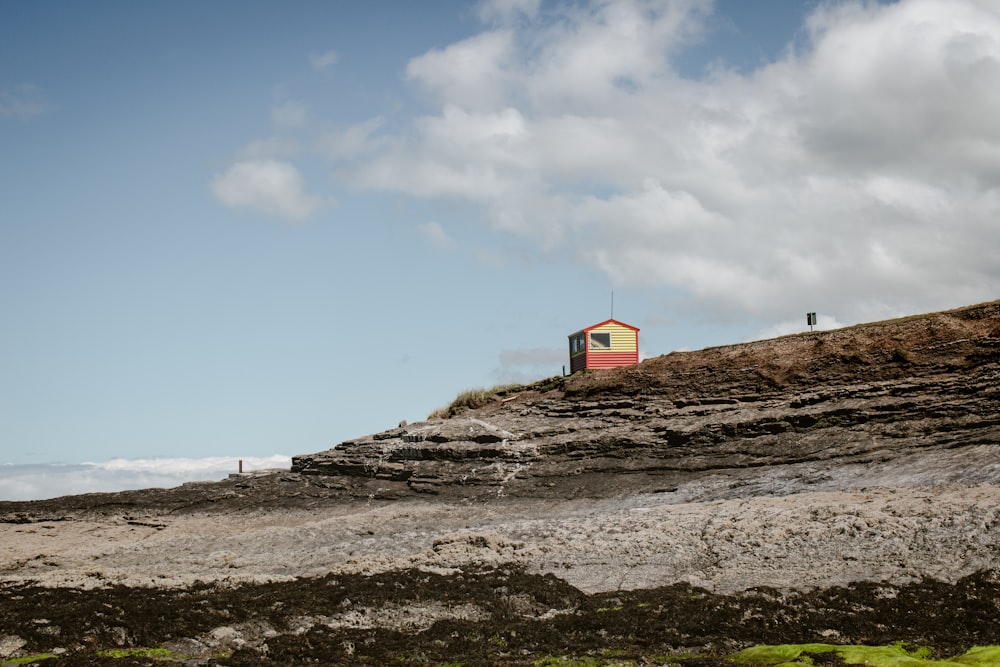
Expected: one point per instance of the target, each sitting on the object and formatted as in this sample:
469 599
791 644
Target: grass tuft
470 399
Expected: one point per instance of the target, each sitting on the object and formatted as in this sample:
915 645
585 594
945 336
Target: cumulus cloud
266 186
859 173
23 102
471 73
36 482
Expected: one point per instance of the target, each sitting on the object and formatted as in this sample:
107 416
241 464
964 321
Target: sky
247 229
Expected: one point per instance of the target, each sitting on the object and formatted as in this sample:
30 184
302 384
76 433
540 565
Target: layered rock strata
801 412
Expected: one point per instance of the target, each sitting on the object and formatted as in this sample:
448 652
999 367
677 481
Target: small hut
608 344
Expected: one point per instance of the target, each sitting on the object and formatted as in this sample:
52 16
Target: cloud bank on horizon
860 169
40 481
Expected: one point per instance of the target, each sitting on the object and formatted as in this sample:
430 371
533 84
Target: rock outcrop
919 396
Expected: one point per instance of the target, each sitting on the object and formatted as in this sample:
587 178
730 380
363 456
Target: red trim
601 324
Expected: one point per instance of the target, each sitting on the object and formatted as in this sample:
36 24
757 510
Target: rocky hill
839 487
918 396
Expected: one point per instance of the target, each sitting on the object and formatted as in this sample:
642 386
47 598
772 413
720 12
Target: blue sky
241 229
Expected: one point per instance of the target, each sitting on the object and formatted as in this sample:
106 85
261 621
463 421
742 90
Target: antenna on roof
612 304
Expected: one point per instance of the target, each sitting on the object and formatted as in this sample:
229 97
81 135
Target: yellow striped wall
623 339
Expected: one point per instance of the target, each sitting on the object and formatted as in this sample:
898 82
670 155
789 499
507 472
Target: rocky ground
839 486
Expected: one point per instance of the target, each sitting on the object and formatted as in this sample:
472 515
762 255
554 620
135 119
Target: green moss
896 655
154 653
979 656
28 659
781 654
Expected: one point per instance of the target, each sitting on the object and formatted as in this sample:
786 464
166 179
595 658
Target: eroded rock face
821 403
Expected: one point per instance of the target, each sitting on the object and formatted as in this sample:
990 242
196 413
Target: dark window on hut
600 341
576 344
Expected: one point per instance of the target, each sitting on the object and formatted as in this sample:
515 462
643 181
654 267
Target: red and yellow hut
608 344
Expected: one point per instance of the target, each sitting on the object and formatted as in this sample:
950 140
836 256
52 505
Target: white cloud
436 234
23 102
471 73
266 186
35 482
446 168
859 173
350 142
323 60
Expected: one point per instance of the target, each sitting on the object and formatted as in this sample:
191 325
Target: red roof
601 324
